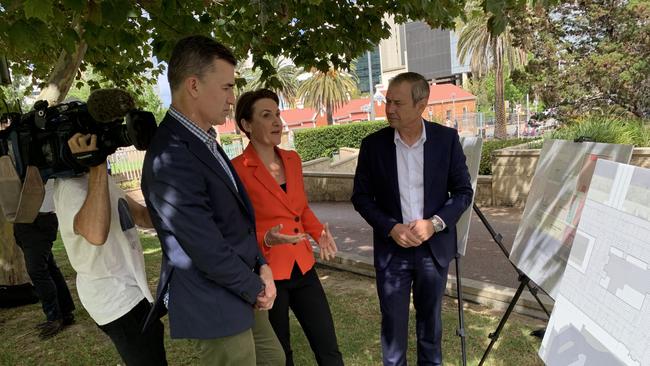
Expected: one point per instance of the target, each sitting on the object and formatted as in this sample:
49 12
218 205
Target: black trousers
36 241
306 298
134 346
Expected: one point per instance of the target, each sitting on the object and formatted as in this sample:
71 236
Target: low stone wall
512 174
328 186
483 194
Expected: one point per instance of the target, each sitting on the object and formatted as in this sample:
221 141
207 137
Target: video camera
34 145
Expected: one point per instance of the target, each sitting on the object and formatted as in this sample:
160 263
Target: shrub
227 139
607 128
323 141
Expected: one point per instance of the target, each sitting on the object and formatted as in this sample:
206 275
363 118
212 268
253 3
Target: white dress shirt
410 177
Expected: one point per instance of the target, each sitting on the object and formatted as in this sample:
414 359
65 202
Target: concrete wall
483 194
328 186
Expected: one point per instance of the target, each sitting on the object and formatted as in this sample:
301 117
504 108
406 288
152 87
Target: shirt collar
191 126
423 137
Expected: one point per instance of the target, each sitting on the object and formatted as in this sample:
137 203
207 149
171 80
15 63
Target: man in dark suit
411 186
213 276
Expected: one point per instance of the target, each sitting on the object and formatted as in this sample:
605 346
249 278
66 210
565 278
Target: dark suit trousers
135 346
306 298
411 268
36 240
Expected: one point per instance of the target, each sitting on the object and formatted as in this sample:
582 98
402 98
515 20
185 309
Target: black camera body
40 138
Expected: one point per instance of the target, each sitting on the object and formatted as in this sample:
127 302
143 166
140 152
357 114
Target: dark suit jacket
447 189
207 233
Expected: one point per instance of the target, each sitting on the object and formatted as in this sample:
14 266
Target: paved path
484 261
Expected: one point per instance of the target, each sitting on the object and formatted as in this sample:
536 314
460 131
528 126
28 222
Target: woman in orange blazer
274 182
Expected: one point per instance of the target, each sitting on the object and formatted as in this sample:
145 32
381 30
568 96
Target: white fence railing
126 162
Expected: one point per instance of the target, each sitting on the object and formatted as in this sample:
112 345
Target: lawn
354 306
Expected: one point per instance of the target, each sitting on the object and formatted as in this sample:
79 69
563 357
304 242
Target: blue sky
163 88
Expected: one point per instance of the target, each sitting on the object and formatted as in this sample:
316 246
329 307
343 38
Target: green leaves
40 9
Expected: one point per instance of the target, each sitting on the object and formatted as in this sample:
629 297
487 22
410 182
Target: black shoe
51 328
68 319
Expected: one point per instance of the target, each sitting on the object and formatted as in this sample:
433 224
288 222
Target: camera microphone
107 105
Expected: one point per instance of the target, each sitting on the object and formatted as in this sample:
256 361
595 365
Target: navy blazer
447 189
207 234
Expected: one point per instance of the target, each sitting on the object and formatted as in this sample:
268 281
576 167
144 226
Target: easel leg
461 319
495 336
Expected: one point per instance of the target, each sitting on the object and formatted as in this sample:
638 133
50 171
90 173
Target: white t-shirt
111 278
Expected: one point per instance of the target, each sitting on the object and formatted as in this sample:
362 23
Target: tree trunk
330 115
12 262
500 128
63 75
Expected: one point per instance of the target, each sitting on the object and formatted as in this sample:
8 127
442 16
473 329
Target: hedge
613 129
227 139
323 142
490 145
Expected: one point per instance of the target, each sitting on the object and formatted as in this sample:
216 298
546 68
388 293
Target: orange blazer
274 206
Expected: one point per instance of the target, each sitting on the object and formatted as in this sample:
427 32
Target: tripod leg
461 319
495 336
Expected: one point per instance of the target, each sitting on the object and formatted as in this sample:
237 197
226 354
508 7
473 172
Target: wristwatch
438 225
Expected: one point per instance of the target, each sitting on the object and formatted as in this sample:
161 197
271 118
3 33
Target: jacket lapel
266 180
201 151
430 148
391 166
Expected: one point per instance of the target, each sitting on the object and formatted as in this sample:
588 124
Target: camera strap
90 158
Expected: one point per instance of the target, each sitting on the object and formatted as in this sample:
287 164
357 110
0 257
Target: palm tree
284 81
327 90
490 51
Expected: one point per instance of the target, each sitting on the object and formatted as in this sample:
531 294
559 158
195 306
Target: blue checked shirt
209 138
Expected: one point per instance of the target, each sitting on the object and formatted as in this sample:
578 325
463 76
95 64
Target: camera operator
36 240
97 223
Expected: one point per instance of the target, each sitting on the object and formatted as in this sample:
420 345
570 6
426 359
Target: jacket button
295 230
297 218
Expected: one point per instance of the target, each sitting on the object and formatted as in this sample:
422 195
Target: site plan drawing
554 205
602 310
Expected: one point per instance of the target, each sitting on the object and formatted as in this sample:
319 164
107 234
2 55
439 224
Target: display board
472 148
555 201
602 311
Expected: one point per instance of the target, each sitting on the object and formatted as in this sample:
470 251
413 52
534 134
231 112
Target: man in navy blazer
212 274
411 185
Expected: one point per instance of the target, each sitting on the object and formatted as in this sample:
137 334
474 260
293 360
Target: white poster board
472 148
602 310
555 201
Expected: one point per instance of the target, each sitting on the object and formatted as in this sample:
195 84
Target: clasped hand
413 234
266 297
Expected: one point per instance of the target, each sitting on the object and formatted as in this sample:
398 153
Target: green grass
353 302
125 166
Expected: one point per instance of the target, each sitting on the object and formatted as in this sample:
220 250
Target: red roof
356 109
442 93
297 116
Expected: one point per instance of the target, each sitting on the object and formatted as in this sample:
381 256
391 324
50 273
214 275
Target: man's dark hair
419 85
194 55
245 102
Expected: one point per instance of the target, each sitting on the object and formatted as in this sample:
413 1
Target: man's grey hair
419 85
